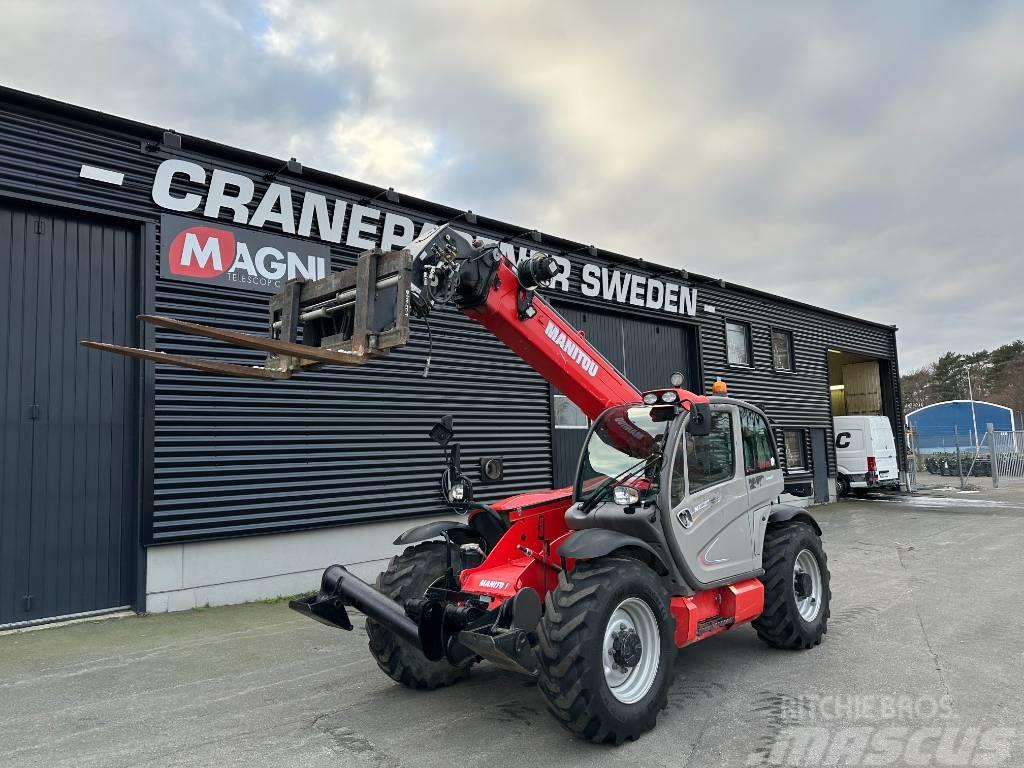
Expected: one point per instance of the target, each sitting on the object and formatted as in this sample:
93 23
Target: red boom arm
552 347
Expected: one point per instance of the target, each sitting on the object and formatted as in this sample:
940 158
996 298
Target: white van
865 454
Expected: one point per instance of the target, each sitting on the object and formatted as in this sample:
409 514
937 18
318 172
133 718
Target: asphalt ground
922 665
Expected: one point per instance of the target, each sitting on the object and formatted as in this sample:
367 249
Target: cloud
864 157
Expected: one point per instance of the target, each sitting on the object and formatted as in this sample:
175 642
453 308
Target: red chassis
527 556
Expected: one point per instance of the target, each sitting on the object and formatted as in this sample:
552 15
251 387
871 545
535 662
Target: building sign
201 252
311 215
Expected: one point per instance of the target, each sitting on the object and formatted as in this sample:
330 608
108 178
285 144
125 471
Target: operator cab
690 476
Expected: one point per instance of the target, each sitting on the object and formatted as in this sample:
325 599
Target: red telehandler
672 532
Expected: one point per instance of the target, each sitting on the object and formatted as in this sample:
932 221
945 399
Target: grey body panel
719 543
724 542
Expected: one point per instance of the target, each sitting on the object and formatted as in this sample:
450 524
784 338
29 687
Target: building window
758 445
782 350
796 455
737 336
568 415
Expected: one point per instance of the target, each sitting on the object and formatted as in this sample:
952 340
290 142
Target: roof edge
86 114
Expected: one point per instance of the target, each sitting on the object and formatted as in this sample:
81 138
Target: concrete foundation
193 575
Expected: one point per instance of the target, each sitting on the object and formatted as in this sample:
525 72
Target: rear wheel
842 486
407 577
797 595
606 649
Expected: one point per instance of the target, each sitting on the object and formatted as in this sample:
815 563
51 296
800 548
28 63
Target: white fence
1008 450
990 457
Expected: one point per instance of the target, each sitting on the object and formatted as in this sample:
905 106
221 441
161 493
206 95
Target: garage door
69 450
647 353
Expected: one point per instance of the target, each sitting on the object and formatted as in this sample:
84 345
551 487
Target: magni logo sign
221 255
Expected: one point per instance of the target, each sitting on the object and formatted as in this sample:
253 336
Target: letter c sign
843 440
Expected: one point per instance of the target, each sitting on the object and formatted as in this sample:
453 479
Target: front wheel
607 649
797 595
407 577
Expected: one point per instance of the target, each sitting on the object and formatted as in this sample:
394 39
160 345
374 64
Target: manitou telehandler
672 532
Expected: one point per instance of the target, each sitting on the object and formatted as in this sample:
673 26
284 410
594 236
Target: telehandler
672 532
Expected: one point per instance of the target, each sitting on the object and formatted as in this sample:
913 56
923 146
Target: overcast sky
867 157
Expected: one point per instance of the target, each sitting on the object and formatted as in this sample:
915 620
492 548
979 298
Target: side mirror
443 431
699 424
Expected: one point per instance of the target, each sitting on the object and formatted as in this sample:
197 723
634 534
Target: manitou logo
567 345
230 256
493 584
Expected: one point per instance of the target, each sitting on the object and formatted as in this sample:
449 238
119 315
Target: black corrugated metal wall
232 457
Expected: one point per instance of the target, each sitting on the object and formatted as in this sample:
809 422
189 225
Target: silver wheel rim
808 605
630 683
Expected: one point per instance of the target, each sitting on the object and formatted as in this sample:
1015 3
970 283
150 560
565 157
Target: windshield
625 439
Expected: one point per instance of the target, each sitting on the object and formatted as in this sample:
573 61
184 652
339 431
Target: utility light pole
974 416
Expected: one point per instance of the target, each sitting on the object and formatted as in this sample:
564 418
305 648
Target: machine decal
570 348
705 556
493 584
709 502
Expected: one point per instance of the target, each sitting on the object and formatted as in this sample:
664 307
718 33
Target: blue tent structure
937 425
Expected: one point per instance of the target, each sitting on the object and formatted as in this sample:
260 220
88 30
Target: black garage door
647 353
69 449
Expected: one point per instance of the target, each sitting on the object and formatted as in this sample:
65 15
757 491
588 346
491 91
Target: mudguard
598 542
782 513
459 533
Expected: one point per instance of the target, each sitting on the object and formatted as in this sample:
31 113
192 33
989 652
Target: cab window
710 459
758 445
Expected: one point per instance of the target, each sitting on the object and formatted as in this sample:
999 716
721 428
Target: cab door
762 471
708 496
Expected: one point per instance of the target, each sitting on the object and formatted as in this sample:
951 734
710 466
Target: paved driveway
923 664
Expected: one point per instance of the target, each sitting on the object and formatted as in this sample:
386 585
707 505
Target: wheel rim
631 651
807 585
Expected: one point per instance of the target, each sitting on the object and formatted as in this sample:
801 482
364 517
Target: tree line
996 377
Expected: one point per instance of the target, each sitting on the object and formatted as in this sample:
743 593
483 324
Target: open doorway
855 384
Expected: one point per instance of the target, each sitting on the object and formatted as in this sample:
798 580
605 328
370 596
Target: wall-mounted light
169 139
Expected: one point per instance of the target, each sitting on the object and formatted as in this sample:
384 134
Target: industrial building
132 485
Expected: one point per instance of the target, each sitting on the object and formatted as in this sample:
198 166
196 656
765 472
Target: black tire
407 577
842 486
572 634
781 625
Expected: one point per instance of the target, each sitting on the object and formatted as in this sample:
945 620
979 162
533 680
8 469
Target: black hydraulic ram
339 588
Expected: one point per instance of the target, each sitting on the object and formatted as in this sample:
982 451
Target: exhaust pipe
339 588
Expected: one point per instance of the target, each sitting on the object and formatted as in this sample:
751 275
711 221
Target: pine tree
948 380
